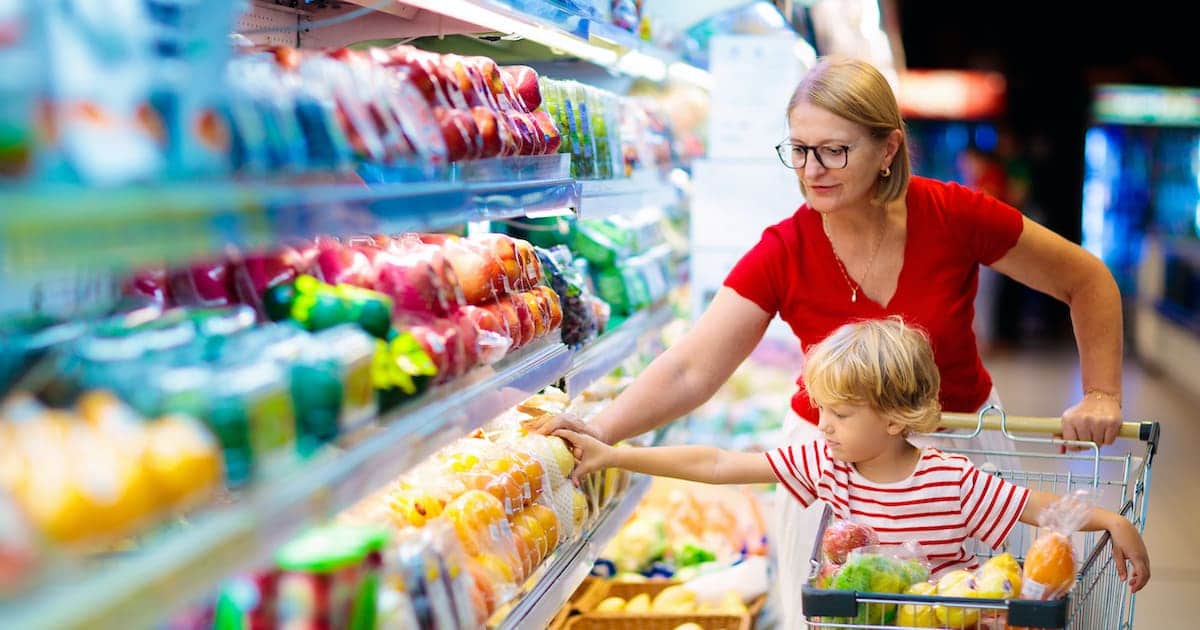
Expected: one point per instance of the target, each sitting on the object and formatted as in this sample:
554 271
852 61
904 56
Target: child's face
855 432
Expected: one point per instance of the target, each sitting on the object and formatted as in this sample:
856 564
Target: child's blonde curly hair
883 363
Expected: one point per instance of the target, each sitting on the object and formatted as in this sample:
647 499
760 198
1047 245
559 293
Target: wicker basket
586 597
622 621
628 590
589 594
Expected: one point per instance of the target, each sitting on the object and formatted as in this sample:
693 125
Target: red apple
525 317
476 269
842 537
492 339
553 304
489 131
493 81
549 131
337 264
457 137
151 283
507 314
504 248
530 268
257 272
523 81
540 316
206 283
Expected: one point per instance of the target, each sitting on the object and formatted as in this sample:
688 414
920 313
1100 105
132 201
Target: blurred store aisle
1044 383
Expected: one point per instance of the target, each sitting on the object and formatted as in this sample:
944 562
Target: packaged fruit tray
621 621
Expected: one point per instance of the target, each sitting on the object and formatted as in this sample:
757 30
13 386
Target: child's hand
590 454
1128 546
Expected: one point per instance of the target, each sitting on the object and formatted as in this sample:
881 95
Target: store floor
1044 383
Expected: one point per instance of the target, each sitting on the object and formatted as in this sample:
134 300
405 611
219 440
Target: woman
873 241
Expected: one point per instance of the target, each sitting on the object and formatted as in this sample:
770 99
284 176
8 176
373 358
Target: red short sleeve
987 226
758 275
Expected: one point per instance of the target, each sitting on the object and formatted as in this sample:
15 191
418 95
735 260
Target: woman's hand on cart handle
547 424
1032 424
1095 418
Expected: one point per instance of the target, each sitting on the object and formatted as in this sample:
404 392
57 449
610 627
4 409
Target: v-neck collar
836 262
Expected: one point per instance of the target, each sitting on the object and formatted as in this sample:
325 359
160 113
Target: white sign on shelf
755 76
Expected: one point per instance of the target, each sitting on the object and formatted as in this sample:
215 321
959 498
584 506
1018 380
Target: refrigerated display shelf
541 21
63 227
570 565
140 588
612 348
601 198
186 560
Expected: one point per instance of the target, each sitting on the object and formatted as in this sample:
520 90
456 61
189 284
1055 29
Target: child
874 383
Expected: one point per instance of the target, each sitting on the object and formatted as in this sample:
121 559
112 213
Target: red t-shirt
952 230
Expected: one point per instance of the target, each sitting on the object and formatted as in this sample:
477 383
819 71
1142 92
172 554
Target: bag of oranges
1050 562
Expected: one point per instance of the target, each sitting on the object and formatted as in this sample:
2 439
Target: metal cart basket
1098 600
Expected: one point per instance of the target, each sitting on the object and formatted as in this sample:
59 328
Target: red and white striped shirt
943 503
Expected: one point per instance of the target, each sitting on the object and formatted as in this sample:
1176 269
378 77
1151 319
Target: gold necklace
854 286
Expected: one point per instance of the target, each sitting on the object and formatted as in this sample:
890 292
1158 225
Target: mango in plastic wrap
959 583
913 616
1008 565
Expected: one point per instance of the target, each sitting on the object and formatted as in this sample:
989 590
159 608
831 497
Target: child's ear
896 428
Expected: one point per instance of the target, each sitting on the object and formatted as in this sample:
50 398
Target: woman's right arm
683 377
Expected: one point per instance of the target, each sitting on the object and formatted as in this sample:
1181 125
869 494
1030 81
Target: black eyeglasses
828 155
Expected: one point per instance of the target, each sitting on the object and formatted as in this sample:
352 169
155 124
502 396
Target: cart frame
1098 599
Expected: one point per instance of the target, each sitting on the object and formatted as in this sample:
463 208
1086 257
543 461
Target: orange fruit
1050 565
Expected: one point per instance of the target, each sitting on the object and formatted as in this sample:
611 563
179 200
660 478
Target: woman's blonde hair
857 91
883 363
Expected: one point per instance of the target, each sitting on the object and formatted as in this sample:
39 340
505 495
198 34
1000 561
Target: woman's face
830 189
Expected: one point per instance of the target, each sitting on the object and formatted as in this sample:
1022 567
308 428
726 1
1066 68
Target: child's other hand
1128 546
590 454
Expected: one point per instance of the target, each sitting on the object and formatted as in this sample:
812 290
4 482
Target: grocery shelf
612 348
608 197
141 588
569 565
62 226
541 21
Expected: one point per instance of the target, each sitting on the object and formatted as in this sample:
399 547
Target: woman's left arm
1057 267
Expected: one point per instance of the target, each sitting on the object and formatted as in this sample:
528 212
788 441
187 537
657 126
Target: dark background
1050 63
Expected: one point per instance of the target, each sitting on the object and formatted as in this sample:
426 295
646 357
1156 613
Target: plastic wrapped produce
578 319
842 537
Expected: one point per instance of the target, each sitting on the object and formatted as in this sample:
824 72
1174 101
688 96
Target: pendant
854 295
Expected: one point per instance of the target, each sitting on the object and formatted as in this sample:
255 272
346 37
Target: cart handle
1143 431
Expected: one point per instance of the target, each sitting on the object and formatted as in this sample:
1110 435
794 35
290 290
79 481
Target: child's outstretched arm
1127 543
705 464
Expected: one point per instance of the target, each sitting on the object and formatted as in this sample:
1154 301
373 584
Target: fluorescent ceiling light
680 71
475 14
552 212
642 65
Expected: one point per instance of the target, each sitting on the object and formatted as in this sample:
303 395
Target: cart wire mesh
1098 599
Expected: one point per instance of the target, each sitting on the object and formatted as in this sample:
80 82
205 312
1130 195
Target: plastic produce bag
1050 561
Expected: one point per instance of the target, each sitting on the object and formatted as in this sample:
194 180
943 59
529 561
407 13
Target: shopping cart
1098 599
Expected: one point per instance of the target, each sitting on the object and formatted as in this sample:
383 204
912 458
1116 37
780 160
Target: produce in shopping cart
844 536
915 616
958 583
1050 561
879 570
